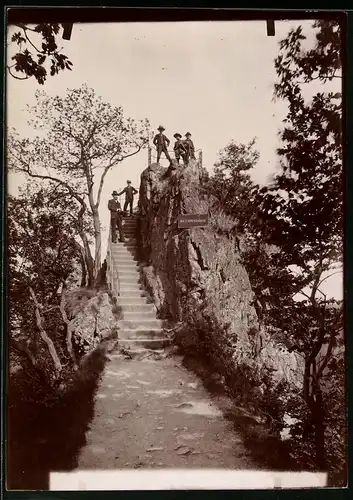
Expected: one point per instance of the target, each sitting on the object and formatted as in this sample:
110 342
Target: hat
177 136
187 133
161 127
128 182
115 193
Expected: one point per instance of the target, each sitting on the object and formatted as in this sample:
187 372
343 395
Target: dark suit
180 151
190 149
129 197
115 219
162 143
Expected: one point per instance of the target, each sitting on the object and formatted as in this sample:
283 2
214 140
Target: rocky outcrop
93 322
198 272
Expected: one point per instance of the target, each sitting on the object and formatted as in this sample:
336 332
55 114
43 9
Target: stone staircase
139 327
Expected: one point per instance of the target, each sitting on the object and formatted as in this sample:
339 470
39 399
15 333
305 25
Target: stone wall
201 268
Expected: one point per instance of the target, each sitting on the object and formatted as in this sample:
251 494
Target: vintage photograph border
138 14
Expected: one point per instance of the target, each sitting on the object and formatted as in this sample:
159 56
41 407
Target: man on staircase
115 217
129 191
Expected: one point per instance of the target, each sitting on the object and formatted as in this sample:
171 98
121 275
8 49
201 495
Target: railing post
149 155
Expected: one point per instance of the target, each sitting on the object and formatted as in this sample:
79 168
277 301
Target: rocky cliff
196 276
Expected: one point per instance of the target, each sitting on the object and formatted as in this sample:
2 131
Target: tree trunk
83 267
68 327
88 259
25 351
313 398
318 419
98 244
44 335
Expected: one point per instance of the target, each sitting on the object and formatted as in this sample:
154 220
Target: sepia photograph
174 251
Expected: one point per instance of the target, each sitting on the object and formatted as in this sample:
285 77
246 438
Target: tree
83 138
37 49
302 212
43 255
231 182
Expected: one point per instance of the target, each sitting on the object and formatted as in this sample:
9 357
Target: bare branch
105 171
44 335
68 326
329 276
14 76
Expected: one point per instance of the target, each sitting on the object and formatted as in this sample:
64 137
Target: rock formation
93 322
198 272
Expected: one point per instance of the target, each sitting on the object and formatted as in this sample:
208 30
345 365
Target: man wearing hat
129 196
162 143
190 148
115 217
179 149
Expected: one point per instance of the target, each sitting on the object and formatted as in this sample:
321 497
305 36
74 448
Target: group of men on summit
182 149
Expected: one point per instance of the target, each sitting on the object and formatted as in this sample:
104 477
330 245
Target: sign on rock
192 220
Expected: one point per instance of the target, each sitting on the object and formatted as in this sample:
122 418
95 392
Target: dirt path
155 413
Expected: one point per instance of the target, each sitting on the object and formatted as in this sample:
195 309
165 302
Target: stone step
132 274
124 248
142 324
127 242
128 272
123 244
140 333
131 294
147 343
128 266
138 307
138 316
125 263
121 259
129 289
135 300
127 281
131 286
124 254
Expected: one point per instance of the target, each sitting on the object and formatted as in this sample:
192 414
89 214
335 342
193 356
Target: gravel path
152 413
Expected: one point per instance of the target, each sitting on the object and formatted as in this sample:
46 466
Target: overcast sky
214 79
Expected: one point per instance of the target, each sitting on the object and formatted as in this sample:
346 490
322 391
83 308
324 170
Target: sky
214 79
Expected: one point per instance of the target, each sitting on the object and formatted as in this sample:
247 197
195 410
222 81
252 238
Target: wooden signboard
192 220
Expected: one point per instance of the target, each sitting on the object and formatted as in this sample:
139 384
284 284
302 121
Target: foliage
291 241
231 183
301 214
37 51
43 254
82 139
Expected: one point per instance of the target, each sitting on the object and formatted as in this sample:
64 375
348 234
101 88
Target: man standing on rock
179 149
129 196
162 142
115 217
190 148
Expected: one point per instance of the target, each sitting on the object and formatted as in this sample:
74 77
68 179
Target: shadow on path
43 439
266 448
